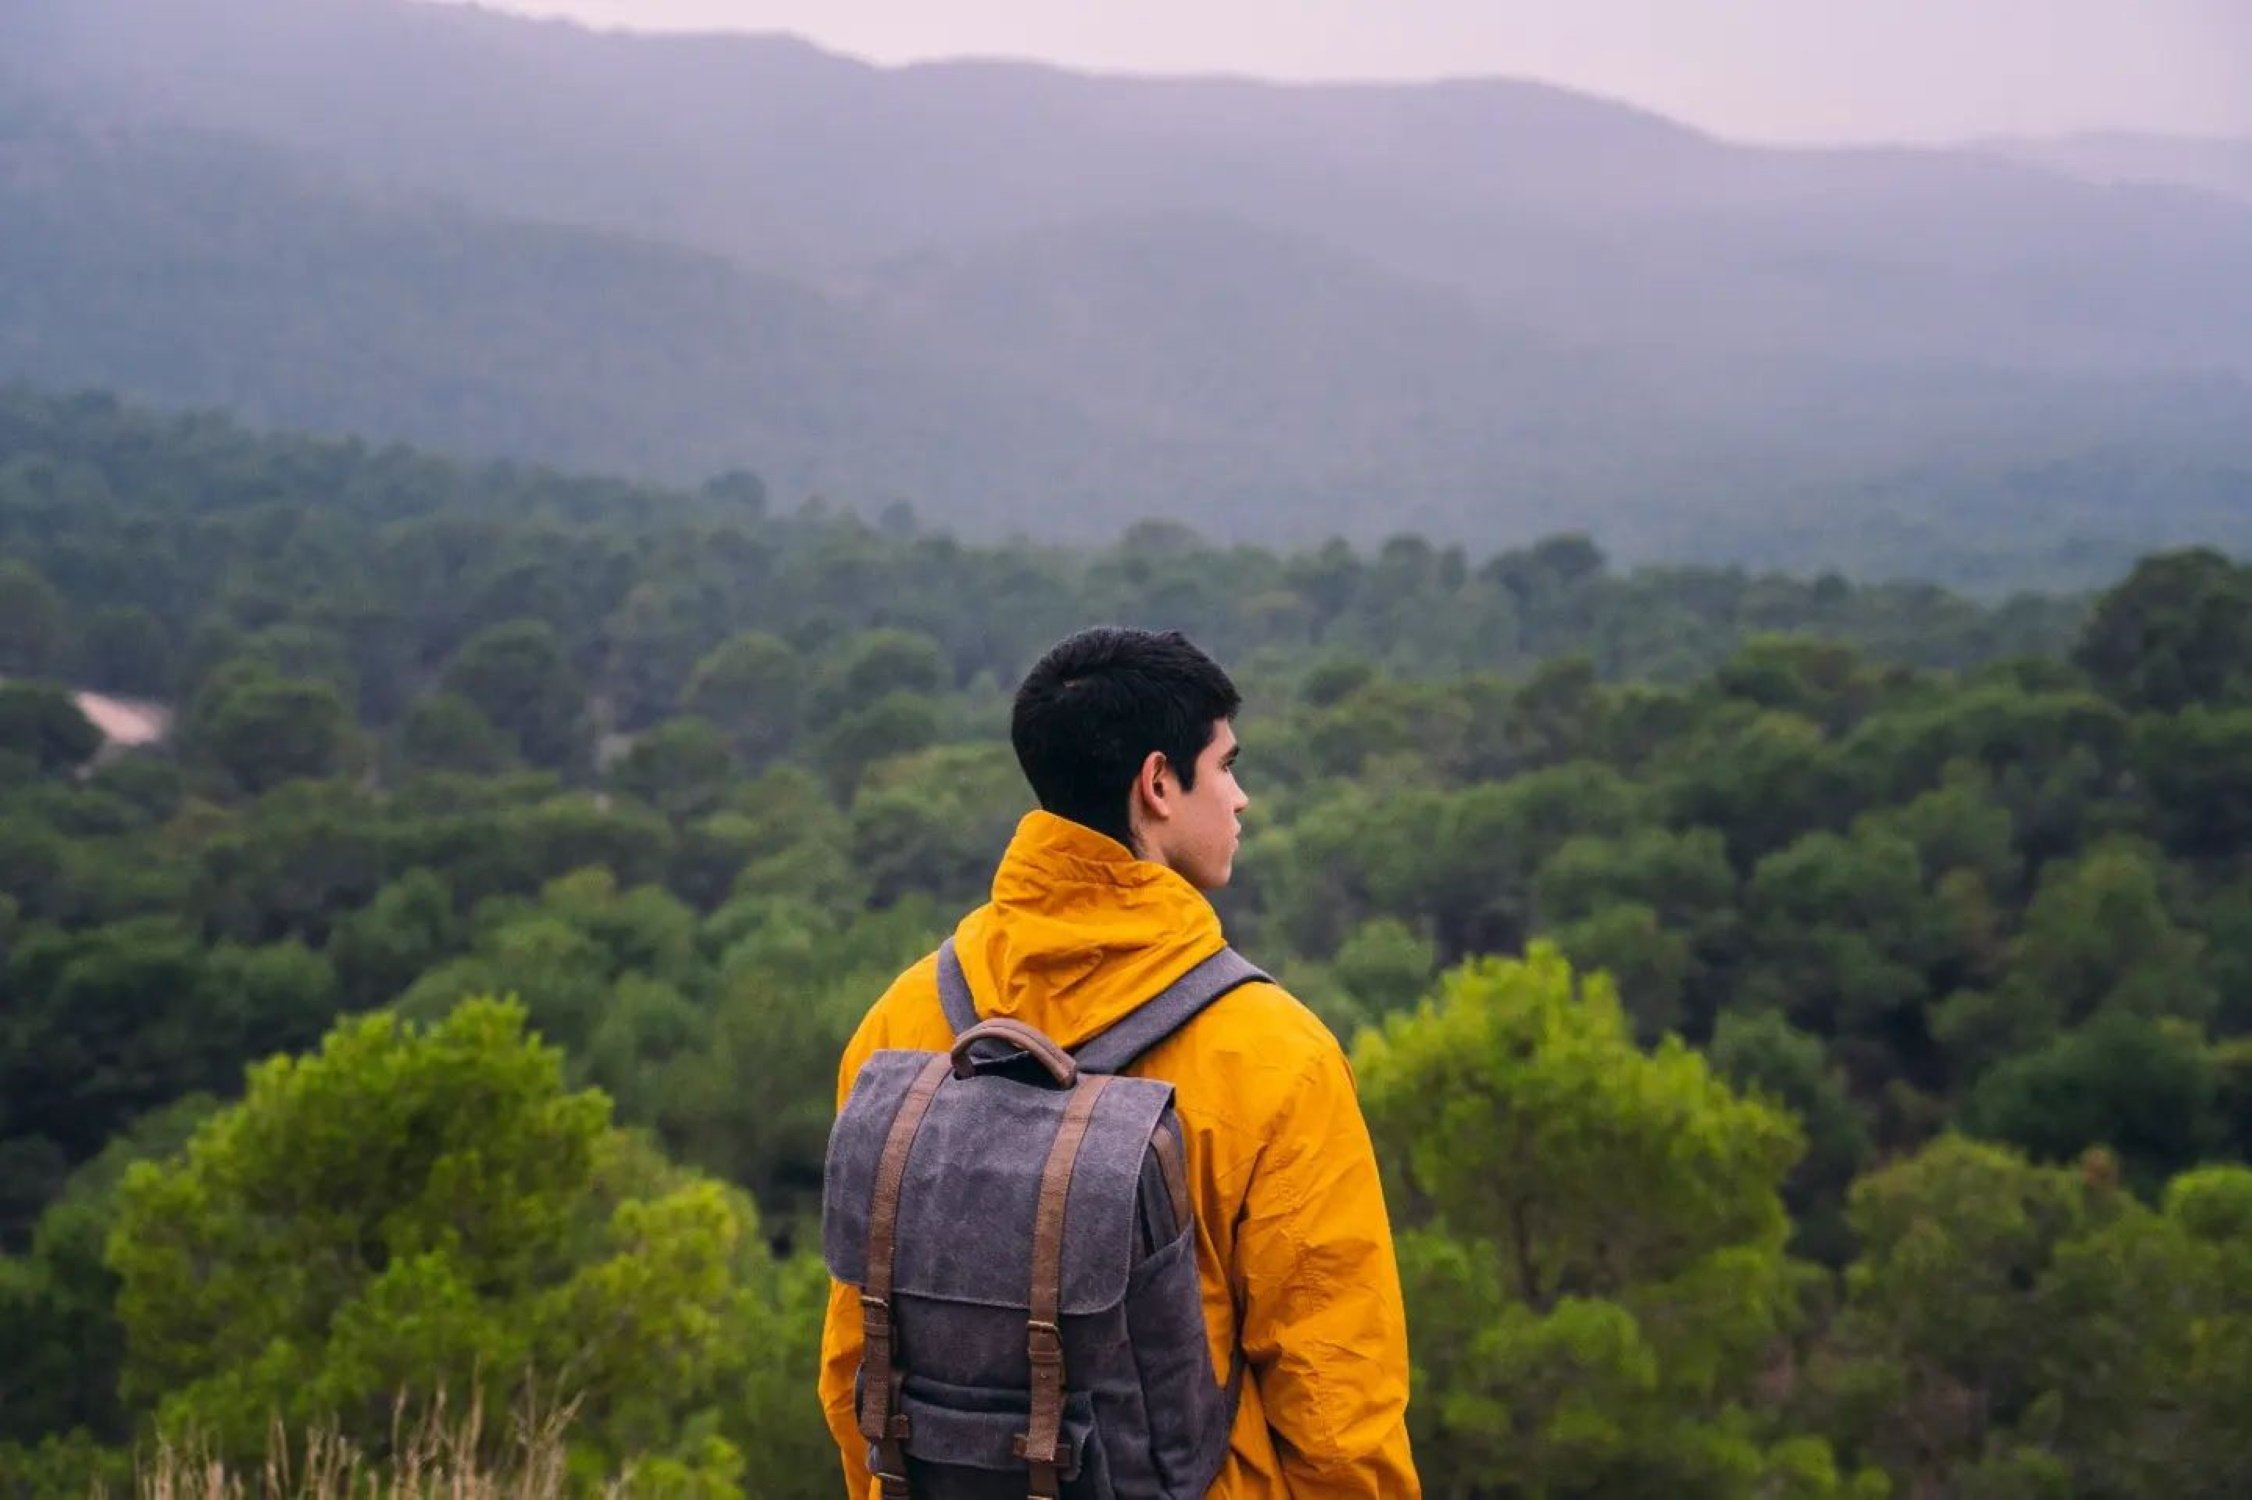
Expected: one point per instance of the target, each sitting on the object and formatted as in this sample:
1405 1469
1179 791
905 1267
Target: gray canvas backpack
1018 1221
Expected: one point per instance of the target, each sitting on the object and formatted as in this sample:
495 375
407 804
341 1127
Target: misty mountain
1588 219
2219 167
1030 300
201 271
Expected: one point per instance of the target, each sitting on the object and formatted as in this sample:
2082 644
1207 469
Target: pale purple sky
1785 70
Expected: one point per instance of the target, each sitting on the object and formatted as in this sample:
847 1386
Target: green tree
2013 1329
447 732
112 1021
413 1210
1603 1278
1763 1054
1822 681
2178 631
1763 778
752 686
2197 766
1659 909
1843 935
654 637
262 730
682 768
896 724
45 725
520 678
31 621
872 666
796 842
1939 1345
933 822
58 1302
125 649
2144 1089
1649 964
404 932
2097 937
1385 965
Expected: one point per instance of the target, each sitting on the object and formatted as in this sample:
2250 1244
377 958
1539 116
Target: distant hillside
203 271
2220 167
1588 218
1027 300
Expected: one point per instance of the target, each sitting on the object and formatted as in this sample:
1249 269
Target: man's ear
1154 786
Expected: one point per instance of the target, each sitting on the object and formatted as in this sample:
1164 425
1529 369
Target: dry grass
436 1457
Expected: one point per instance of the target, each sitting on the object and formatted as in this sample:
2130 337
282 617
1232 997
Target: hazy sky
1766 69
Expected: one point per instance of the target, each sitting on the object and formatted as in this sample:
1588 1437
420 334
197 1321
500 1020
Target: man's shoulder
906 1014
1280 1020
1260 1037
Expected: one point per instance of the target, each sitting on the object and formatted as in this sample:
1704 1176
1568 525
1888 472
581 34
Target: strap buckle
1043 1342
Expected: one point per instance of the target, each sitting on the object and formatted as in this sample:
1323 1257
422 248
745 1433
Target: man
1127 738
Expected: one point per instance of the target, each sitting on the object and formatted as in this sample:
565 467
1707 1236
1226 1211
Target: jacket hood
1080 931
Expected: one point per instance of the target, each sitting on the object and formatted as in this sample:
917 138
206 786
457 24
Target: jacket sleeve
1324 1328
840 1356
840 1330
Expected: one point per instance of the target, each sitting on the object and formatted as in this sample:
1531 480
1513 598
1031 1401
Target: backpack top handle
1025 1039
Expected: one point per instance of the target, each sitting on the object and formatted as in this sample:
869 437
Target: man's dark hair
1091 710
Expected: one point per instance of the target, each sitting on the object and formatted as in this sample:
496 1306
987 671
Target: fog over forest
517 543
1025 299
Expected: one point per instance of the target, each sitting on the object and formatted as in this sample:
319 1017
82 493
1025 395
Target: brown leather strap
1025 1038
1043 1334
1174 1169
891 1449
881 1422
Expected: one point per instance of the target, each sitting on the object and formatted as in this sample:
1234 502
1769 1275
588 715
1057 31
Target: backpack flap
972 1188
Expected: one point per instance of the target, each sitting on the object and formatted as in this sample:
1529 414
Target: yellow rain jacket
1293 1244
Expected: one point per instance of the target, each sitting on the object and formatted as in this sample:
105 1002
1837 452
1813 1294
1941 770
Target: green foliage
928 822
751 685
2142 1089
42 724
693 779
1520 1087
2198 767
447 732
2010 1325
413 1210
123 649
2097 938
1603 1277
115 1020
682 768
408 928
261 730
1385 966
67 1348
2177 632
898 723
1763 1054
872 666
31 621
517 675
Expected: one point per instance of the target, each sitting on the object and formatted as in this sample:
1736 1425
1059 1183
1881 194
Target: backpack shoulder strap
1114 1050
954 990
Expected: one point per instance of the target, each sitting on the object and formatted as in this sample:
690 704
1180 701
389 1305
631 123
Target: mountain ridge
1025 299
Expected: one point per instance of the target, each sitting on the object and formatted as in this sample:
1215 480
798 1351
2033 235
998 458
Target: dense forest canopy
1808 1025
